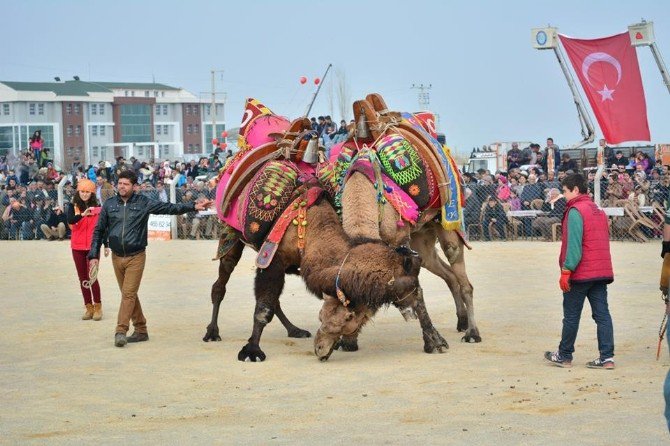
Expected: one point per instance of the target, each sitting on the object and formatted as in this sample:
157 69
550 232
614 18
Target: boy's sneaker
556 359
601 364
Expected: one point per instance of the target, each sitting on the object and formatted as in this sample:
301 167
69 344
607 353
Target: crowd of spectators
29 193
490 196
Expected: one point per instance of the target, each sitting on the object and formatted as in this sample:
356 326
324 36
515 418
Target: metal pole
317 90
173 200
599 172
213 109
584 118
61 185
661 64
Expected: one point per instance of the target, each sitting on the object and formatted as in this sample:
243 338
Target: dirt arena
64 382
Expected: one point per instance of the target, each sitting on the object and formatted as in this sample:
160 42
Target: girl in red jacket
82 216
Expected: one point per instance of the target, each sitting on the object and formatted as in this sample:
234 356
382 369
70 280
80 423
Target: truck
492 157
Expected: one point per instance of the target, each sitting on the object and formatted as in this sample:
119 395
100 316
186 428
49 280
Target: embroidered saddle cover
267 196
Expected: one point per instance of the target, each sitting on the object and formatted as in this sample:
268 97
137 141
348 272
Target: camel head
337 321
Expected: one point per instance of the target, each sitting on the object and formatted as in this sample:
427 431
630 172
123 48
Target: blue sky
488 83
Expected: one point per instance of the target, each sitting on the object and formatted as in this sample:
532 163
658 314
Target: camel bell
311 155
362 130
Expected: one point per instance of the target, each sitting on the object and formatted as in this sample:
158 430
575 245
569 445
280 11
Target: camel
360 219
369 273
365 215
307 236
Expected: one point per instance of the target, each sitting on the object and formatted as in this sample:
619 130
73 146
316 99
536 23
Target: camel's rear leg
424 243
453 248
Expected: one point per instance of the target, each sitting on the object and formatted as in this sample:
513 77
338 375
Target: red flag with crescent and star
610 76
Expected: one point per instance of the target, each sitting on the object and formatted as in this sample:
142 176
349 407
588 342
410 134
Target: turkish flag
610 77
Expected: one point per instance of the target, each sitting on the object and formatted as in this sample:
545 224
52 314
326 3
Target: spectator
54 228
552 149
608 153
553 208
503 190
494 214
619 160
514 157
567 164
36 143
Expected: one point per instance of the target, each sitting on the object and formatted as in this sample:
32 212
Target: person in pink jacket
82 217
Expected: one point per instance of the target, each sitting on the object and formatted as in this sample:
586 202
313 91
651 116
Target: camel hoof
462 324
346 345
251 353
472 338
299 333
212 334
435 343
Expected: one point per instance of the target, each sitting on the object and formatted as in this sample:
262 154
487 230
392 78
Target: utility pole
424 96
213 109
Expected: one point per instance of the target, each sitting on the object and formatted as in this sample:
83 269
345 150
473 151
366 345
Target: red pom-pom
215 142
303 80
317 81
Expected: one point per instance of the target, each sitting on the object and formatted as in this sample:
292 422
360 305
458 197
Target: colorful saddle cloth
269 193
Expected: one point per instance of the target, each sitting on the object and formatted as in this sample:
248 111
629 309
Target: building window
94 151
94 109
219 109
158 130
190 148
165 109
101 107
165 130
188 110
146 93
162 94
132 93
68 109
94 130
103 153
197 148
76 109
70 151
40 109
5 109
140 150
196 129
209 109
135 122
31 109
78 130
156 93
126 92
196 110
189 129
158 110
69 130
102 130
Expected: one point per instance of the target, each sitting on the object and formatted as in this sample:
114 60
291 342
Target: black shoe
138 337
120 339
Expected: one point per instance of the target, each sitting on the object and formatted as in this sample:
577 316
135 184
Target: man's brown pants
128 272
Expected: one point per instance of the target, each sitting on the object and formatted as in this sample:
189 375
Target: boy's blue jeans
573 302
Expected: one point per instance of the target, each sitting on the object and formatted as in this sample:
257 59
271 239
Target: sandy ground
63 382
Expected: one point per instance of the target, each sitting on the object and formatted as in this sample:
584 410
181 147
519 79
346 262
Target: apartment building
94 121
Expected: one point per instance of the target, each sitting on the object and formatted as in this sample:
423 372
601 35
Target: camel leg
227 265
453 249
423 242
293 331
348 343
433 342
268 286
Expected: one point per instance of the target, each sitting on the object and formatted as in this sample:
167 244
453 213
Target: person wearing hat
82 217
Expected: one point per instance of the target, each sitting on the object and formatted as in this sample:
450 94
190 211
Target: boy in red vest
586 269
